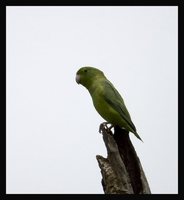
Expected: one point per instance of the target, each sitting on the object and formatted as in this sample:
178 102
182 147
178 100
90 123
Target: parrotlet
106 99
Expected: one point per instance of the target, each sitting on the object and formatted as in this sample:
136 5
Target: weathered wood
121 171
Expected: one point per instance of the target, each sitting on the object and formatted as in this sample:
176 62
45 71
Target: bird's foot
104 128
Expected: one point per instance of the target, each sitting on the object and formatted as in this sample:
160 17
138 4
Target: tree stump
122 172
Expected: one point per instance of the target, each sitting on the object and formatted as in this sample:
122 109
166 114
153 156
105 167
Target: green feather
106 99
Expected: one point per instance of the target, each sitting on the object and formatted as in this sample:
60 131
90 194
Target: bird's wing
114 99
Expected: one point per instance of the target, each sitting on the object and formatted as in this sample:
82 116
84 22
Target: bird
106 99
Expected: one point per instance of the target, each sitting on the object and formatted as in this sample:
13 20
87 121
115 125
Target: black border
180 5
180 97
92 3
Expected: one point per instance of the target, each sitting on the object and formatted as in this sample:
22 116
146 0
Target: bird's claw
104 128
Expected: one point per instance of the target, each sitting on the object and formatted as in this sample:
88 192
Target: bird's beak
77 78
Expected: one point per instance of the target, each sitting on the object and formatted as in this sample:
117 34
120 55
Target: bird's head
86 76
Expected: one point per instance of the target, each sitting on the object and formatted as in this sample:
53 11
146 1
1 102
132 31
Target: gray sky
52 126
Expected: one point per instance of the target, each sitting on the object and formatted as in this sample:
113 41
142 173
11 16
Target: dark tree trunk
121 171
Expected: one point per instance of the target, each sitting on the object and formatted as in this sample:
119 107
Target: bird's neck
95 85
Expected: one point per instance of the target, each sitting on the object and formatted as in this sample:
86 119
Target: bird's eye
85 70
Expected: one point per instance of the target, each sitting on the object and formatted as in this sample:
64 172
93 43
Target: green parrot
106 99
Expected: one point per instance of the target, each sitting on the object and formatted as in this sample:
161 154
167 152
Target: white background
52 126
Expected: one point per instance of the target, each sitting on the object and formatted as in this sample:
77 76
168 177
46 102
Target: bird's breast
102 107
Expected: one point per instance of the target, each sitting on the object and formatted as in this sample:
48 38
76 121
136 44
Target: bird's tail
136 134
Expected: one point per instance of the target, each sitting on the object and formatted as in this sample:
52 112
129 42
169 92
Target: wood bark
122 172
